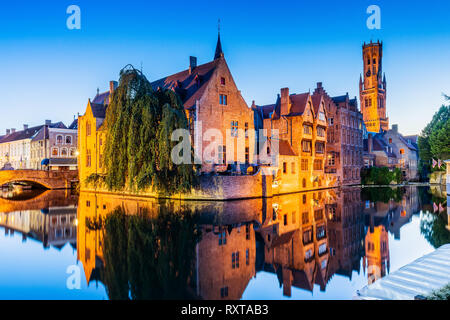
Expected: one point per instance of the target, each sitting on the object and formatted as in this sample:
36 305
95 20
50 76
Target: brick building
344 147
302 130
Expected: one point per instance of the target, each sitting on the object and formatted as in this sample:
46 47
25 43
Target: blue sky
49 72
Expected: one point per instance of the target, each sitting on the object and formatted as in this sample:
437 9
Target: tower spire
219 52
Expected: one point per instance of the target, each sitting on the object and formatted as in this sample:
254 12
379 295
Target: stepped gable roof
189 84
285 149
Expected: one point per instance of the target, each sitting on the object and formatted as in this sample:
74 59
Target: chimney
13 130
48 122
112 86
25 127
284 110
8 131
192 63
395 128
369 143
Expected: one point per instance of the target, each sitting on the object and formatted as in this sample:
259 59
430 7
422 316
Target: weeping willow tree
149 257
138 147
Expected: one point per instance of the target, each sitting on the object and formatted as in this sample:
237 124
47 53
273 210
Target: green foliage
149 257
433 228
434 141
380 176
139 124
95 180
441 294
383 194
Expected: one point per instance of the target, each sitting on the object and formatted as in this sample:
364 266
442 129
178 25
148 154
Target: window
64 152
246 129
222 81
59 139
331 159
307 236
73 152
285 220
306 146
247 155
224 292
88 158
293 167
247 257
321 232
318 165
304 196
235 260
307 129
304 164
100 160
320 147
55 152
320 132
284 167
322 249
68 139
247 232
223 99
88 129
318 215
234 128
222 154
321 116
331 121
304 183
88 203
222 237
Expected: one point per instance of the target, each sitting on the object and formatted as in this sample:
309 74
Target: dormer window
321 116
222 81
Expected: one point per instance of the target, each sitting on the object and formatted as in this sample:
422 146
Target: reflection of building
345 231
296 241
53 227
377 253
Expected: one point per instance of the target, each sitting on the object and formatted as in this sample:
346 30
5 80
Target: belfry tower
372 89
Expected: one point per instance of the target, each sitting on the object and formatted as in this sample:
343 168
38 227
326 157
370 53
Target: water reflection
327 243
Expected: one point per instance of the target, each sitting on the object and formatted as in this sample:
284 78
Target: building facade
344 147
301 137
372 88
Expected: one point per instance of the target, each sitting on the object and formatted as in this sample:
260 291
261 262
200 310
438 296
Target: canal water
315 245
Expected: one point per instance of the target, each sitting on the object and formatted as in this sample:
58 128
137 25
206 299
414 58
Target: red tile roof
285 149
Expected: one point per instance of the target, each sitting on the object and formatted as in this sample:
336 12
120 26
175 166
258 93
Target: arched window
55 152
59 139
304 183
64 152
68 139
73 152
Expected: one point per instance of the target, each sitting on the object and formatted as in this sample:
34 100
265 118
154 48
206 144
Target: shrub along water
380 176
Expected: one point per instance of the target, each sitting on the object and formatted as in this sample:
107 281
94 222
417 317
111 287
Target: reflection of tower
377 253
372 89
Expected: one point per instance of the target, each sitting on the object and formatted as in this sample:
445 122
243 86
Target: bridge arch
48 179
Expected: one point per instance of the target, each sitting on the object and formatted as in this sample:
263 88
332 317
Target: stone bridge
52 180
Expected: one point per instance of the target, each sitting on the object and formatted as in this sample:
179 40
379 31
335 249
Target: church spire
219 52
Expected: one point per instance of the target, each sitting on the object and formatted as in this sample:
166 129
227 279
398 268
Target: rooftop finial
219 52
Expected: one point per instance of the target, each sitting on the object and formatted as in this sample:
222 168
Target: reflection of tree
149 257
433 228
383 194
